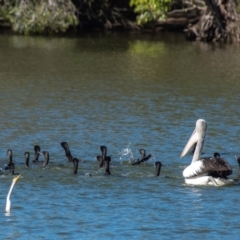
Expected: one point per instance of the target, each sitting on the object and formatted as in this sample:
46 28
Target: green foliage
39 16
150 10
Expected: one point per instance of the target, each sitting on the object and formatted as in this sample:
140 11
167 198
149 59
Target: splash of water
126 153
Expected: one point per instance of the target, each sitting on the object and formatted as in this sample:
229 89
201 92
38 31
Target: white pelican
207 170
8 202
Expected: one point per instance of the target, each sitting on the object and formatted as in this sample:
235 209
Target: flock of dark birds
103 160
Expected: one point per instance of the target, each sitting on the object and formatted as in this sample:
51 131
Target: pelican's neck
10 190
8 203
199 146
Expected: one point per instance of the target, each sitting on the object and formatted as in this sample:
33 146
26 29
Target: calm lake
124 91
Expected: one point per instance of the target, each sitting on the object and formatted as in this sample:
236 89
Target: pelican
207 170
8 202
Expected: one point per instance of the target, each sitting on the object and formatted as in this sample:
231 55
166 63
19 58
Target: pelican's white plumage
204 171
8 202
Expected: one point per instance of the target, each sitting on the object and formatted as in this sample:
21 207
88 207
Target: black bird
158 168
238 161
75 165
107 166
67 151
216 155
10 165
144 158
46 158
10 155
37 152
102 159
27 156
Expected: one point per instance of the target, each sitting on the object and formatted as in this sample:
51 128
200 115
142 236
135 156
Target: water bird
238 161
68 152
144 158
193 149
207 170
107 166
75 165
37 150
10 166
158 166
46 158
8 202
27 157
216 155
104 158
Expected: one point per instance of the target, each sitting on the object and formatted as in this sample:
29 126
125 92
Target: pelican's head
8 202
197 135
16 178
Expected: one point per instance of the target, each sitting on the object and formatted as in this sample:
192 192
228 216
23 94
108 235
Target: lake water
125 92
